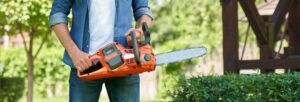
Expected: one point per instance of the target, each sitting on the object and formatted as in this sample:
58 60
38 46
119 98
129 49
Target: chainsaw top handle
135 48
135 44
146 32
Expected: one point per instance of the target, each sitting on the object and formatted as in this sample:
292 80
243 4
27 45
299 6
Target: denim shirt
80 20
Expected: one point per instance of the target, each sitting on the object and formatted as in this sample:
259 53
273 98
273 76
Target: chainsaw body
114 60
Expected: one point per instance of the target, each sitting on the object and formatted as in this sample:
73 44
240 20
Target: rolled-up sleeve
59 12
140 7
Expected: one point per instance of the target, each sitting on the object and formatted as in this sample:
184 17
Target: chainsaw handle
93 68
147 40
135 48
94 58
146 32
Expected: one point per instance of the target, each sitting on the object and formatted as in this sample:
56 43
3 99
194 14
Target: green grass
59 99
66 99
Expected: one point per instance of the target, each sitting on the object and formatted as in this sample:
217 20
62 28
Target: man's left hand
138 29
138 34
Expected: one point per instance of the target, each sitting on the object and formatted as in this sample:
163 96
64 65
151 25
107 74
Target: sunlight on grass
59 99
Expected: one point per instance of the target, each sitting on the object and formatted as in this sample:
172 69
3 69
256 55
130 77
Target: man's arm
79 58
141 8
59 12
58 21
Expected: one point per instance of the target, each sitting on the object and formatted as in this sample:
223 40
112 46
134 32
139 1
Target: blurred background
27 45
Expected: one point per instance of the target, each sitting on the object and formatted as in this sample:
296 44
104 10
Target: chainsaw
114 60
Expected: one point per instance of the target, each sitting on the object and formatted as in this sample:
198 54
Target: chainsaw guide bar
179 55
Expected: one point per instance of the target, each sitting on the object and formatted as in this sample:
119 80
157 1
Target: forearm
142 19
62 32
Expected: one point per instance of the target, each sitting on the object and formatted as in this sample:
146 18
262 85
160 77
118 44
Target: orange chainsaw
114 60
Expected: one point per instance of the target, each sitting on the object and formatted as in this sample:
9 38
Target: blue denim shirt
80 20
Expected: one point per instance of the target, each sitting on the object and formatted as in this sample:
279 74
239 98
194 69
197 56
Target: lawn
59 99
65 99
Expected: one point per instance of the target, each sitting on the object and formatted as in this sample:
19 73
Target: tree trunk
30 62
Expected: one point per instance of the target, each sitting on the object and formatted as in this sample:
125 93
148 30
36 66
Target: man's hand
138 29
80 60
138 34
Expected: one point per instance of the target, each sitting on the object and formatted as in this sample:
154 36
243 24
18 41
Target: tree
29 16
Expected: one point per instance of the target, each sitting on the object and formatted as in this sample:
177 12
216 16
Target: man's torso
101 23
80 24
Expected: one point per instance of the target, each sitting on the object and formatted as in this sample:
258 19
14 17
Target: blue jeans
119 89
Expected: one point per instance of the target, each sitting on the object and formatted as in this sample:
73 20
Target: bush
269 87
11 89
50 73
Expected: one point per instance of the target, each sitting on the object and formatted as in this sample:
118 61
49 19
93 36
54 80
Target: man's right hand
80 60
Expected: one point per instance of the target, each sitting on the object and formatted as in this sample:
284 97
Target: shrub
50 73
268 87
11 89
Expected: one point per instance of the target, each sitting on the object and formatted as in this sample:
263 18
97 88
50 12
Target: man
96 23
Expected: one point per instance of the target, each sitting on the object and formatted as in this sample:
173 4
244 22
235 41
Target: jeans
119 89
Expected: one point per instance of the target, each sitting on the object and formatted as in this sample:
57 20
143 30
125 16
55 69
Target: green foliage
14 62
253 88
51 69
11 89
50 72
181 24
28 14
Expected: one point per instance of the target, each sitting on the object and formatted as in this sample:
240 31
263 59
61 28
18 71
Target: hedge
257 88
11 89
